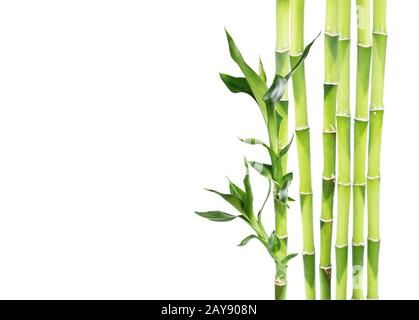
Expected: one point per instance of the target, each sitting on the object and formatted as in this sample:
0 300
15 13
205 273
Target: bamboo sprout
282 68
360 136
303 145
343 118
329 146
374 153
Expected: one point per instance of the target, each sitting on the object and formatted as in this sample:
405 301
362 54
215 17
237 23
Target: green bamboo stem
375 138
360 149
282 68
329 146
343 118
303 145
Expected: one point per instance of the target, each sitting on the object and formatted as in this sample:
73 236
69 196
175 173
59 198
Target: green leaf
263 168
256 84
288 179
217 216
247 239
274 246
262 72
303 56
282 196
291 199
264 202
248 202
253 141
285 150
235 190
276 90
237 85
287 259
235 201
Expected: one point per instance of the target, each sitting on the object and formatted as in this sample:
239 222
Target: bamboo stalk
303 145
360 150
343 118
329 145
282 68
375 138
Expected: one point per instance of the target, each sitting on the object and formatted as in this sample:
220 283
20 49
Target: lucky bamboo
329 145
303 144
343 118
375 137
360 143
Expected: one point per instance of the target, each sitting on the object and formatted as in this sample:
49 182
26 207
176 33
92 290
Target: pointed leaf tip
216 216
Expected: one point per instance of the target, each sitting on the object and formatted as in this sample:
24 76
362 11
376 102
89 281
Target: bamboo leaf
256 84
217 216
235 190
287 259
247 239
237 85
253 141
274 246
263 168
288 179
235 201
276 90
248 201
303 56
264 202
291 199
285 150
262 72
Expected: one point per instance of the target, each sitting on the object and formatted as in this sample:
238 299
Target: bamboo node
380 33
359 184
326 83
296 55
285 50
378 108
344 184
343 114
302 128
366 46
374 240
344 38
281 282
341 246
361 119
330 34
308 253
328 268
332 178
358 244
306 193
326 220
283 237
329 131
374 178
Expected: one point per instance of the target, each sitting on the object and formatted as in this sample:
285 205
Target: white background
113 119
